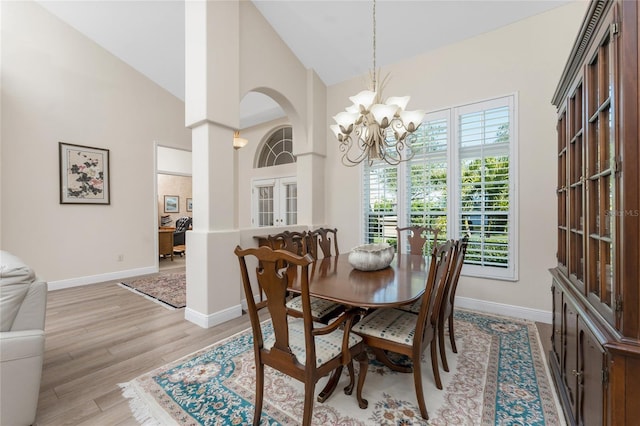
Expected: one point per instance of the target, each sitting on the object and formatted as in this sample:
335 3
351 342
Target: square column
212 112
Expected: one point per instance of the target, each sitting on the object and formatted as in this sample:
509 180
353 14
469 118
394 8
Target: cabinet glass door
601 178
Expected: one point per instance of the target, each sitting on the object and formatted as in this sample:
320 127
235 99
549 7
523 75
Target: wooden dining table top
333 278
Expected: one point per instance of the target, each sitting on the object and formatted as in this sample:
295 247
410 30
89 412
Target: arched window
278 149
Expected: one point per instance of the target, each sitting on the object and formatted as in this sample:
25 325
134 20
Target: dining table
333 278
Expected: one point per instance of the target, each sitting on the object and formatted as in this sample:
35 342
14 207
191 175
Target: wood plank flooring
100 335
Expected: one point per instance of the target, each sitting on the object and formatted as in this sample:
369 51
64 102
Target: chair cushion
390 324
319 307
414 307
328 346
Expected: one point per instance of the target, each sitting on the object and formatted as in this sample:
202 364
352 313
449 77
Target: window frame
454 187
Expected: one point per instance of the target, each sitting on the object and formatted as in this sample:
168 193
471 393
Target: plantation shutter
484 139
381 202
426 178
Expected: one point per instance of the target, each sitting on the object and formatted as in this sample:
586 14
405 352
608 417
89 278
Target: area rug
167 289
498 376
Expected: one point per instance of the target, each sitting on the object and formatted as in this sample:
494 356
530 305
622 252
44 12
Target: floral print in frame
84 174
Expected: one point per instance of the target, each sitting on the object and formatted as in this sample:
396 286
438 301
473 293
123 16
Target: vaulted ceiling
332 37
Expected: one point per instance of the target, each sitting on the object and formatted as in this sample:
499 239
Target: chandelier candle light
362 129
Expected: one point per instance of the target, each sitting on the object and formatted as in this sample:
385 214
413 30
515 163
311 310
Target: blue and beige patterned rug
498 377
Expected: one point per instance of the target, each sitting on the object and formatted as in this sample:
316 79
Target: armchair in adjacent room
23 302
182 226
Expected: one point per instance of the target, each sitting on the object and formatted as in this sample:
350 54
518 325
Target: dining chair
402 332
291 241
417 236
446 309
322 310
327 239
298 347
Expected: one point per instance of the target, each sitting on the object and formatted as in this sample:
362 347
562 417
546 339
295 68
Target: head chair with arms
298 347
409 334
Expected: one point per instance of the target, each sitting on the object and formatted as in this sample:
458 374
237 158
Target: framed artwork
171 204
189 204
84 174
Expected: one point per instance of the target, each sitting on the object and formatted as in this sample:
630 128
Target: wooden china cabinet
595 355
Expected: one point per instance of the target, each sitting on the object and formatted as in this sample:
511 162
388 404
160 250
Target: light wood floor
100 335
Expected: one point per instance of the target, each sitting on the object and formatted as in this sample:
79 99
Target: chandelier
373 128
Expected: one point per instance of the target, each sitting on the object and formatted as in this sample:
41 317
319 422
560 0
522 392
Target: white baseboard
207 321
243 302
537 315
95 279
211 320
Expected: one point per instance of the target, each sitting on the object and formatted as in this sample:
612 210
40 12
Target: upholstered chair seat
413 307
390 324
328 346
320 308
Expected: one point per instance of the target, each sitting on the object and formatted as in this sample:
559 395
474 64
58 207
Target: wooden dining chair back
409 334
445 313
322 310
417 237
327 239
291 241
297 347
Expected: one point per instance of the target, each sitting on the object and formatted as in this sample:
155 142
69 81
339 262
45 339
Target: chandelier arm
362 150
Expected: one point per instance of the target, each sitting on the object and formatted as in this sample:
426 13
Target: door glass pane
291 204
265 206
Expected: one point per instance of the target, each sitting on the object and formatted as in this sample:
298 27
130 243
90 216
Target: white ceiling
332 37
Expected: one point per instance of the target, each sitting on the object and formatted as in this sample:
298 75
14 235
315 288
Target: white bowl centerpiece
371 257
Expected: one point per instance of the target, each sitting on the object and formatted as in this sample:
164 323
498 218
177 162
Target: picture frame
171 204
84 174
189 204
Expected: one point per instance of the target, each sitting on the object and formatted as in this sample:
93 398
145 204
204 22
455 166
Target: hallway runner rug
169 290
498 377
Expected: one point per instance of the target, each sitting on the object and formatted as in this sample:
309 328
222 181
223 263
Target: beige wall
526 58
57 85
176 186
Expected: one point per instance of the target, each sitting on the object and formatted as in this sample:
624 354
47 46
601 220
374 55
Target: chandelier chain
374 46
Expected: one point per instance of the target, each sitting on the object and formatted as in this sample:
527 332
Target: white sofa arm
31 314
21 358
17 345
